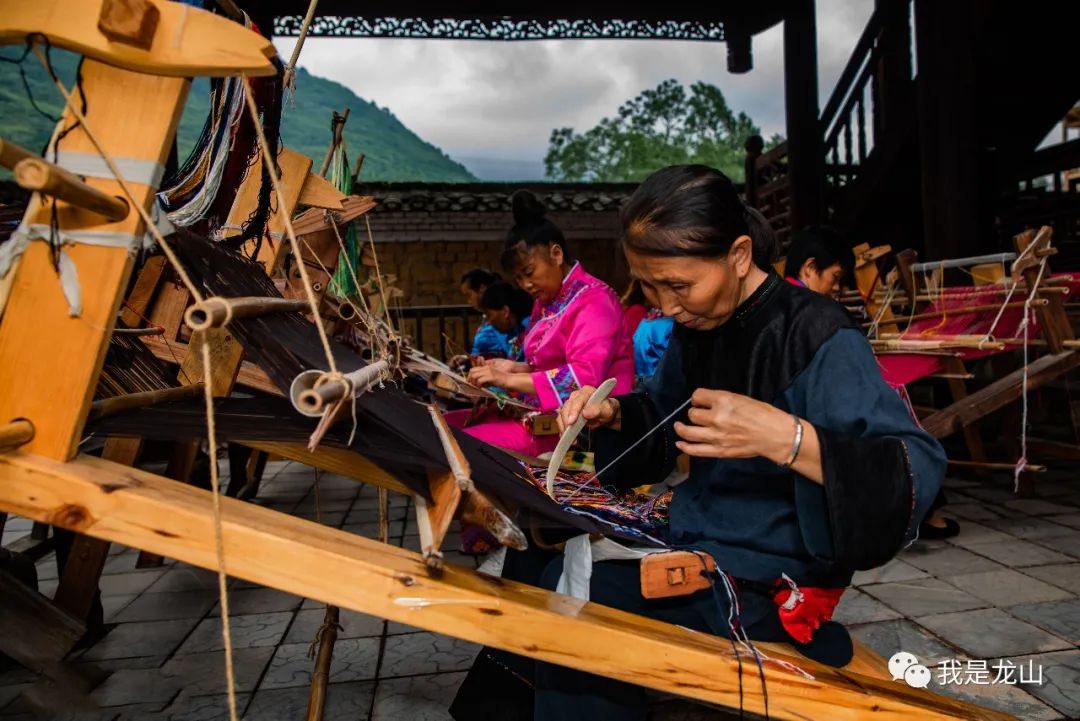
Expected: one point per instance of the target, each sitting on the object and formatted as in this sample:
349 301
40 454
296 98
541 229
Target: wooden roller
113 406
316 399
43 177
216 312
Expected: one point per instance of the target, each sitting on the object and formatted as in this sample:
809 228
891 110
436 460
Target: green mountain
392 151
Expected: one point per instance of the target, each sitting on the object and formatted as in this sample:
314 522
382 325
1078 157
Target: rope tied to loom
1022 462
219 540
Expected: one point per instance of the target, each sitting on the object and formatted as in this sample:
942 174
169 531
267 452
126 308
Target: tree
662 126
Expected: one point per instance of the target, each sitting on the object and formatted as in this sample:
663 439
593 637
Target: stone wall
428 236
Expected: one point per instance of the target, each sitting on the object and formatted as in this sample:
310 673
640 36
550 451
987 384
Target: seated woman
488 341
819 259
575 336
805 465
508 309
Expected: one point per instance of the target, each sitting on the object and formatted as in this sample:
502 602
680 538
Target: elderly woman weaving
805 466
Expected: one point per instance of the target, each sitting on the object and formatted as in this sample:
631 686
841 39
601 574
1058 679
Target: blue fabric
650 341
489 341
759 520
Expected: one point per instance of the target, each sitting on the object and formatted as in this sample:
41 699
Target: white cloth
580 555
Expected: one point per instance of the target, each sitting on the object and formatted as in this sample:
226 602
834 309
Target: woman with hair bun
575 336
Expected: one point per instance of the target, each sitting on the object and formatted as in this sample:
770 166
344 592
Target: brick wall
430 250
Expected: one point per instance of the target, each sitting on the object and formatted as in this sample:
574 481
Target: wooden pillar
948 142
805 144
892 74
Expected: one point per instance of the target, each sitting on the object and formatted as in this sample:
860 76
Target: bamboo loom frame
49 364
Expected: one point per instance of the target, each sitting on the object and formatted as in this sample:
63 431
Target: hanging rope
1021 462
219 540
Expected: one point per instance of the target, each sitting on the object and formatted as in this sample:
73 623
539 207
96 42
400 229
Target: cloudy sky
492 105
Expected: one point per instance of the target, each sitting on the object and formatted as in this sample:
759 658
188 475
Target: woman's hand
729 425
486 375
607 413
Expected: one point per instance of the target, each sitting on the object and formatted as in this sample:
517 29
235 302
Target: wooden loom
1056 337
49 363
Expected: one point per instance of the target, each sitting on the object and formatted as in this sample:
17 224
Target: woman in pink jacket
576 336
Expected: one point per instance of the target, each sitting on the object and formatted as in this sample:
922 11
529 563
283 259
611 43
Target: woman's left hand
729 425
486 375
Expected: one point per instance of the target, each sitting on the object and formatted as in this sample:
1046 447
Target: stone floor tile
105 666
203 674
991 633
857 607
127 583
1035 506
1072 520
888 637
355 659
187 707
112 605
246 601
393 628
1068 543
46 567
990 494
250 631
948 560
1006 587
1061 680
1028 527
972 533
168 606
923 597
344 702
141 638
1015 700
419 698
971 512
370 529
185 578
1062 575
353 625
130 686
424 653
1017 553
1061 618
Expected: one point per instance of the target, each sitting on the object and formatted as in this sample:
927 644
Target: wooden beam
187 41
333 460
806 157
998 394
139 509
33 631
51 360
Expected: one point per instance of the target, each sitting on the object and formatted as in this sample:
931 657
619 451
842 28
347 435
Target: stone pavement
1007 588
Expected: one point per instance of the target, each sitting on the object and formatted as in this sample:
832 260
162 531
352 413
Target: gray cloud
501 100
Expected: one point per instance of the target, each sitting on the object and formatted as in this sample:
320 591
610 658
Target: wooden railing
850 124
441 331
847 120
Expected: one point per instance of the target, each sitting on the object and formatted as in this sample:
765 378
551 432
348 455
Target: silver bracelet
796 445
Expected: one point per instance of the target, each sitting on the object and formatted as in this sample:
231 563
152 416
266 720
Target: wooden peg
52 180
15 434
11 154
132 22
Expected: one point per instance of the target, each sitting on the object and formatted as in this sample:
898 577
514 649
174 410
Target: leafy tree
662 126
